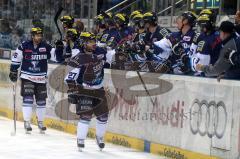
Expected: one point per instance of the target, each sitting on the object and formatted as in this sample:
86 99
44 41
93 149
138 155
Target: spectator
224 66
5 34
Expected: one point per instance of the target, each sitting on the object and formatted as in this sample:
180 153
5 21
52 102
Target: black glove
59 44
72 92
185 67
165 67
13 75
185 59
73 97
178 49
138 48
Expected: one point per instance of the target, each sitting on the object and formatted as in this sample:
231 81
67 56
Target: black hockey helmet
191 17
138 20
150 17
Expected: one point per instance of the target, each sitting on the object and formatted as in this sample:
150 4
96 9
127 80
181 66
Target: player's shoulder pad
24 44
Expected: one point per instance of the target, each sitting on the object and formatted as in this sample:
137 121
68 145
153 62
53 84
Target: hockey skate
27 127
80 144
41 127
100 143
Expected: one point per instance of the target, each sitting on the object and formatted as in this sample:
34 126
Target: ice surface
56 145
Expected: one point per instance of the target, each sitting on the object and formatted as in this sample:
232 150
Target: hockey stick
13 133
145 87
55 20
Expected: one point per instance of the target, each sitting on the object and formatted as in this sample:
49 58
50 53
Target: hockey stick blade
13 133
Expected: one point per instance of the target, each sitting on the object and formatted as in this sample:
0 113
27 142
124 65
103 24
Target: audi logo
208 118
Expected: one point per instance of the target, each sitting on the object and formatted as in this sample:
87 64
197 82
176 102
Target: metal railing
116 6
170 7
122 6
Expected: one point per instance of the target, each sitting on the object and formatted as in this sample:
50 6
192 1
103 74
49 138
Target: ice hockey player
196 39
138 57
32 56
85 83
209 42
154 32
140 31
113 39
126 32
136 12
176 45
67 22
73 43
101 30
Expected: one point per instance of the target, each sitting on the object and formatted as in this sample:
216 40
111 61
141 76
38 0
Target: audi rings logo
208 118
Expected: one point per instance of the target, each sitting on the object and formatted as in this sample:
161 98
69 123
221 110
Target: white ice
56 145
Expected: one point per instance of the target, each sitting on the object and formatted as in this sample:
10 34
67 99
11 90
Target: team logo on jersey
34 63
42 49
187 38
39 57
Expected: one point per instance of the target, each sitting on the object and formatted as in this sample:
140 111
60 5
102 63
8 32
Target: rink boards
178 117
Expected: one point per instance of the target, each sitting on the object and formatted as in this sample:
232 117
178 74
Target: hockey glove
13 75
59 44
178 49
165 67
72 96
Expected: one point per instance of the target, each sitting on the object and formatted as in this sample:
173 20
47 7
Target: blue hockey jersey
207 51
33 61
